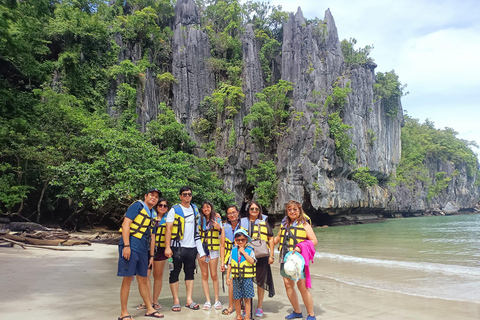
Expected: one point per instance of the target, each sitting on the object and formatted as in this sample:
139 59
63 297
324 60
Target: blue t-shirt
138 245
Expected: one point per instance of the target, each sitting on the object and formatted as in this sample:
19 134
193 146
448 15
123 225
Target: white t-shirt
188 240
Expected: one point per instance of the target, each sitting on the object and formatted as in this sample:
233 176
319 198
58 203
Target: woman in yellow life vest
210 227
295 229
257 227
226 246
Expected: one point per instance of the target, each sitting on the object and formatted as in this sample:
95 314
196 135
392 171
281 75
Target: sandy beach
46 284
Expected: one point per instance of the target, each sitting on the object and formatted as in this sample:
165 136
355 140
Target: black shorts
160 254
185 257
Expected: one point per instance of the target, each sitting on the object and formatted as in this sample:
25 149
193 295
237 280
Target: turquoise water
435 257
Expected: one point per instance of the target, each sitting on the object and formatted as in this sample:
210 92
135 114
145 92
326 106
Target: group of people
153 233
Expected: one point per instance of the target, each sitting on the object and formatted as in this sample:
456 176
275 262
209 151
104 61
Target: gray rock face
308 168
450 208
190 53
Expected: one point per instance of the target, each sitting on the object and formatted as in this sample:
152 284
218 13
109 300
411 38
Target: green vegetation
423 143
264 177
59 147
389 89
270 114
343 142
441 183
363 178
355 57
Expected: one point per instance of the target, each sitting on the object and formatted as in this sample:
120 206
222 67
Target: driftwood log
48 242
23 245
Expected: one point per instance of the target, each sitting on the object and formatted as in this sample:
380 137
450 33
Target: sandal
227 312
207 305
193 305
141 306
126 317
218 305
156 306
155 314
176 308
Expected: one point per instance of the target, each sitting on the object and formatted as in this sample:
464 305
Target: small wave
398 289
418 266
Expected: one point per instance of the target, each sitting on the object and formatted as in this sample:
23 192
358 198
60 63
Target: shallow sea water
436 257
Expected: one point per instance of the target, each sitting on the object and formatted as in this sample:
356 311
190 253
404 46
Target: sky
433 46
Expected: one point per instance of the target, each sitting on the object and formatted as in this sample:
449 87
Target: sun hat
294 265
243 232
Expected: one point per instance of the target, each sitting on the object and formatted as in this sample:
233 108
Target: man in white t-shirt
182 242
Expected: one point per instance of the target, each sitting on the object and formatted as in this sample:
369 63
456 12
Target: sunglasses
187 194
162 205
241 240
254 209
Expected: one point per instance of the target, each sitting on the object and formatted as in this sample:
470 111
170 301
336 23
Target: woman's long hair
301 218
212 213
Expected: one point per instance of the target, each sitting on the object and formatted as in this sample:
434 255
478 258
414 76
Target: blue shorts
243 288
136 265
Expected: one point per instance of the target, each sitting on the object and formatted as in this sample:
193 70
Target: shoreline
46 284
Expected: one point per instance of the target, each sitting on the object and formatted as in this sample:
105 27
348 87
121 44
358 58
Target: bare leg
204 269
189 286
291 294
149 285
174 289
231 303
248 308
158 269
238 308
214 274
143 289
124 291
261 294
306 296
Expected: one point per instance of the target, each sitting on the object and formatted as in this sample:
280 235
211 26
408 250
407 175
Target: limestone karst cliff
308 167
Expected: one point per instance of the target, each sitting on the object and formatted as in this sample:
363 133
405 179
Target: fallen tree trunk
41 242
23 245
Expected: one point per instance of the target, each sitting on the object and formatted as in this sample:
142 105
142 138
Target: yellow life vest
179 222
160 232
296 235
262 227
228 249
210 237
142 222
244 269
229 238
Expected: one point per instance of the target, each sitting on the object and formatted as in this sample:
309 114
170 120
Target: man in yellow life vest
135 251
182 242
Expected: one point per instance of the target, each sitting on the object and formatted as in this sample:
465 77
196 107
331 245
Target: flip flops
207 305
226 312
156 306
155 314
218 305
141 306
125 318
193 305
176 308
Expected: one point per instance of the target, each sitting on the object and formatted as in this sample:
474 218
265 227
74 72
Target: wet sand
45 284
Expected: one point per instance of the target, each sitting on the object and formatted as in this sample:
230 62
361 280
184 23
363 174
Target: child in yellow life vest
240 272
